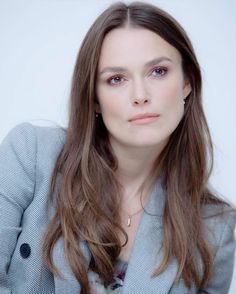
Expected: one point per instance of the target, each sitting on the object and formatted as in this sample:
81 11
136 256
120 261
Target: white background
39 41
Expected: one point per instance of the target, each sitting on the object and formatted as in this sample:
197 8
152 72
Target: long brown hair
87 203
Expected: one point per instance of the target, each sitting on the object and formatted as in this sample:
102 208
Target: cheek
110 105
171 105
170 95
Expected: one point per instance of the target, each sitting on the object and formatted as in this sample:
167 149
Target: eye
115 80
159 71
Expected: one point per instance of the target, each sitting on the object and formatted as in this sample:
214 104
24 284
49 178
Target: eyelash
119 76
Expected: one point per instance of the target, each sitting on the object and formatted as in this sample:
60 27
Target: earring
96 114
184 101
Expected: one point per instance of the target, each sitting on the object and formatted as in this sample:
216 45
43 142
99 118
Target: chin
148 143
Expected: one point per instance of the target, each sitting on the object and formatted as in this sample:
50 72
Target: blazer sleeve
17 178
224 259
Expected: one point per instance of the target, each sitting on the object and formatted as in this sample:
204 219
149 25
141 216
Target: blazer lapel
69 284
147 251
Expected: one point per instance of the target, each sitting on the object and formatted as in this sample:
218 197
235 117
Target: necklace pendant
129 222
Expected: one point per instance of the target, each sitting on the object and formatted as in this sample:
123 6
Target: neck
134 166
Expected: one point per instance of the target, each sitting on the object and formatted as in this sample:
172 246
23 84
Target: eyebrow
146 65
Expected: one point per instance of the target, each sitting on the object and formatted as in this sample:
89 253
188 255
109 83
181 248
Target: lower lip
145 120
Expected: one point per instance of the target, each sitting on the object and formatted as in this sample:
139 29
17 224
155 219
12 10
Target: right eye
115 80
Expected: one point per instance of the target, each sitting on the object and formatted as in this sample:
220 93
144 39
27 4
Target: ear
97 107
187 89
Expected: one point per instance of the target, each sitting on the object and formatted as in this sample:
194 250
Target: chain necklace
129 220
130 217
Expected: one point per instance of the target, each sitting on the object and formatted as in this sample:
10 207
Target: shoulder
27 157
222 214
219 225
29 138
29 152
28 133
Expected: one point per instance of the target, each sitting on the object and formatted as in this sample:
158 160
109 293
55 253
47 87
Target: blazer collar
147 251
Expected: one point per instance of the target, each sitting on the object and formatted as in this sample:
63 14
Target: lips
143 116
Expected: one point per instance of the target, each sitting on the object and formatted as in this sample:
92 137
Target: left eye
159 71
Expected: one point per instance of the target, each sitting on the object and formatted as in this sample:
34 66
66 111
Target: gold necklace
130 217
128 223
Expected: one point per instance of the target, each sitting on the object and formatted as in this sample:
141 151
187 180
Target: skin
159 88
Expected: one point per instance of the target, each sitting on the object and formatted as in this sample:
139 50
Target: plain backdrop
39 41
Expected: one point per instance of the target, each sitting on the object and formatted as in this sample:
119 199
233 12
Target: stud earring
96 114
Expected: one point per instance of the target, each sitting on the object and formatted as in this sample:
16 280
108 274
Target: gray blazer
27 158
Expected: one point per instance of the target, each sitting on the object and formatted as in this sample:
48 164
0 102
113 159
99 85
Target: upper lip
143 115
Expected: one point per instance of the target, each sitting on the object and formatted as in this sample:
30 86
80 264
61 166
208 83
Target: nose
139 94
140 101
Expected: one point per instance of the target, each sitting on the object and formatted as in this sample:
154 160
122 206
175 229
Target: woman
119 201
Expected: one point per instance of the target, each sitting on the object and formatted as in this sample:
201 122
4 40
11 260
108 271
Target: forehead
124 46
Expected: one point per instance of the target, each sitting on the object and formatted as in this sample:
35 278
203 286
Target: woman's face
139 73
